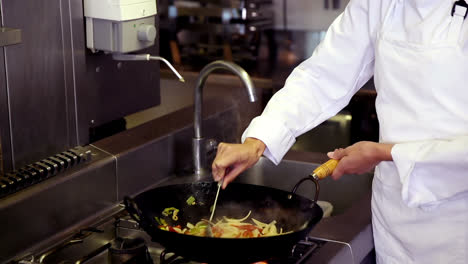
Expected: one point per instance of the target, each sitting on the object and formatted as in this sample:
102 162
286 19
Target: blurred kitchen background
268 38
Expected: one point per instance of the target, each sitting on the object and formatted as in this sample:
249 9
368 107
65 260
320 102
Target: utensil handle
325 170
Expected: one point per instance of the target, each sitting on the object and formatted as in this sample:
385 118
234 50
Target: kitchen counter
352 232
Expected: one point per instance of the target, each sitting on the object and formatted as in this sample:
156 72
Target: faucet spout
199 153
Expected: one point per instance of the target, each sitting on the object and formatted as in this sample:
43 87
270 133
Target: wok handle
325 170
133 209
317 186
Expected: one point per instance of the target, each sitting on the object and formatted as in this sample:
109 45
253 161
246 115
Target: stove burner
301 251
129 251
126 243
168 257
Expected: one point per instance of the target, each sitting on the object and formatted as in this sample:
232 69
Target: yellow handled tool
325 170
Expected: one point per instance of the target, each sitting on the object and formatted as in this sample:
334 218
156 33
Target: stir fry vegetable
191 200
229 228
171 210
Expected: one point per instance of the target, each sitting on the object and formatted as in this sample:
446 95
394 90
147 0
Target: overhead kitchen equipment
122 26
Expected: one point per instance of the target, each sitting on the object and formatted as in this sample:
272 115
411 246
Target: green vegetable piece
191 200
174 215
168 211
157 220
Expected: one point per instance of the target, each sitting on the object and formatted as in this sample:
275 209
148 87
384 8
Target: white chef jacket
430 167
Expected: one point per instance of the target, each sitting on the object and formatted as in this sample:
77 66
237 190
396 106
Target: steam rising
287 213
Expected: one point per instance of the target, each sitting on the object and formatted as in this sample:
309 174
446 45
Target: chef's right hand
232 159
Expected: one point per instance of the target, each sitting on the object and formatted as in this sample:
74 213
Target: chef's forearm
256 144
384 151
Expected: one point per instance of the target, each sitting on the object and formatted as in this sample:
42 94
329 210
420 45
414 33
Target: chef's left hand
361 157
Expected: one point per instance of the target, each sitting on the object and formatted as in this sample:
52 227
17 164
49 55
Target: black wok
292 212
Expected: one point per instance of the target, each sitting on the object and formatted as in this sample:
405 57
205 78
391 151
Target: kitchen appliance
292 213
99 243
120 25
296 214
129 250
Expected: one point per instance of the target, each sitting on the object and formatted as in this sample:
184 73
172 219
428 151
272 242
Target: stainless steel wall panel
35 80
48 208
68 68
151 152
144 166
5 144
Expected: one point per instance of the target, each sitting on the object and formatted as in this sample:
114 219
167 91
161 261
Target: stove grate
300 252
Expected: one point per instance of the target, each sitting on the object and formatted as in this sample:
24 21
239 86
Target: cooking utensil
220 183
208 231
297 214
291 211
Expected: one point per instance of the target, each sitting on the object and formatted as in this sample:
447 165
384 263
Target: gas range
119 239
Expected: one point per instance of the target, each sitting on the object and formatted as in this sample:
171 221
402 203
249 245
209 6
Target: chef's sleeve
320 86
432 172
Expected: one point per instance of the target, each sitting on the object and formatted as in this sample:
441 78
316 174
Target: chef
417 51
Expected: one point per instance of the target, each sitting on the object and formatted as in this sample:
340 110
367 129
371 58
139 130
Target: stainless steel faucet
198 147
